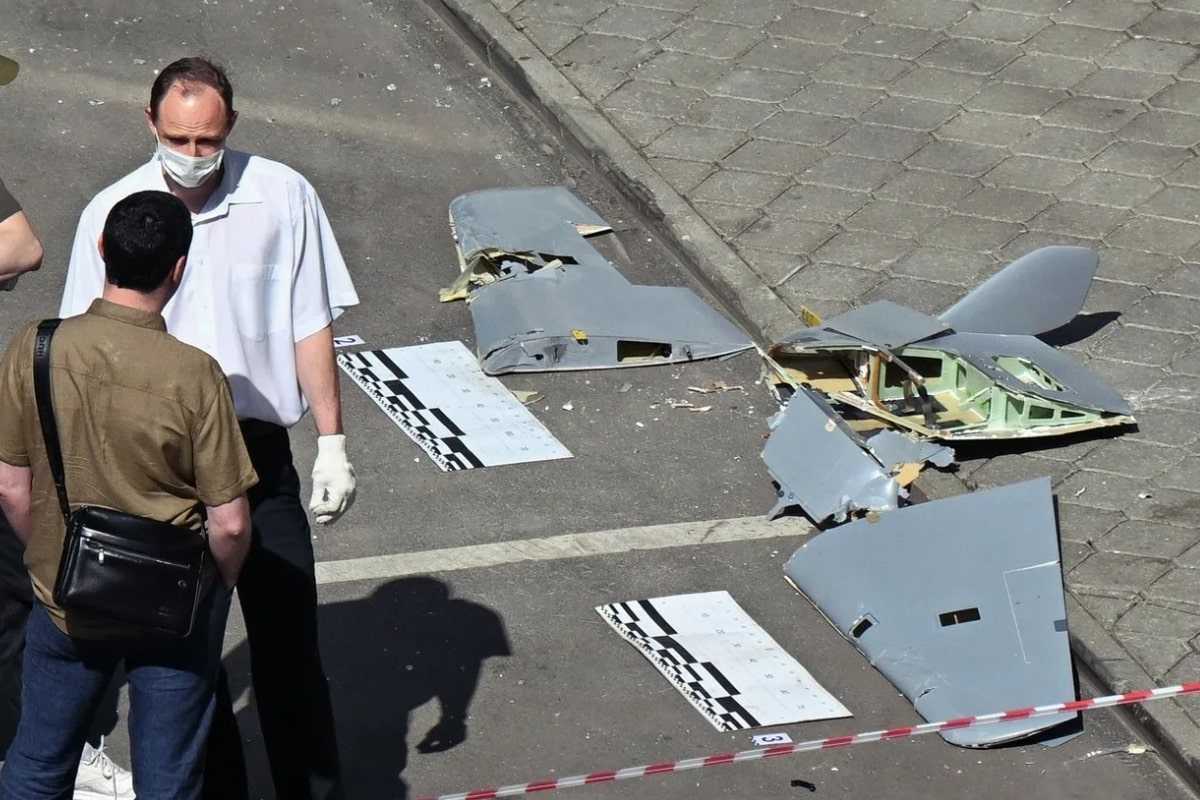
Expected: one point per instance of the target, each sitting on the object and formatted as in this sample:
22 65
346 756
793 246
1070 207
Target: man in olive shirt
20 252
147 426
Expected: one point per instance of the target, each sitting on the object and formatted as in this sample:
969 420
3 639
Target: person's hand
446 734
333 479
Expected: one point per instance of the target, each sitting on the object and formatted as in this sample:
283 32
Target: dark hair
191 70
144 236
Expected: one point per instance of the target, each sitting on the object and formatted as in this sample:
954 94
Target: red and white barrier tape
552 784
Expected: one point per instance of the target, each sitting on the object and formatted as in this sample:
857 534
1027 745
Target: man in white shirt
264 283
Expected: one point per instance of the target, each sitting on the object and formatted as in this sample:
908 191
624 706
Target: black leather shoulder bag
139 572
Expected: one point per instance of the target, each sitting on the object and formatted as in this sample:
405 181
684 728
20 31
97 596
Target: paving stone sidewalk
855 150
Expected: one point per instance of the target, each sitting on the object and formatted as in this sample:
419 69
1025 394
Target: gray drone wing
1038 292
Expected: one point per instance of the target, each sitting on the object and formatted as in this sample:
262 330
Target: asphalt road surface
390 117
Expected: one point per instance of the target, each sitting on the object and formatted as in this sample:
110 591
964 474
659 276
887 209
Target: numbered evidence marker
348 341
718 658
768 739
437 394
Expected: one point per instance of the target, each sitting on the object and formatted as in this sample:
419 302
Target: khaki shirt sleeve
16 392
223 468
8 203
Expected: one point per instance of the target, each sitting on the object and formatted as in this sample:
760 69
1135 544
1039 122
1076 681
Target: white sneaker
99 778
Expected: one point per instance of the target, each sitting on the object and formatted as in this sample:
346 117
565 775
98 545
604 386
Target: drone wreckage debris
973 373
961 618
543 298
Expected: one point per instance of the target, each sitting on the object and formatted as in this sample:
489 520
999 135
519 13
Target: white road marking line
553 548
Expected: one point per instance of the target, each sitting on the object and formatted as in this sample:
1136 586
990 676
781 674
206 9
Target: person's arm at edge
229 537
16 499
224 473
85 272
315 305
20 249
316 368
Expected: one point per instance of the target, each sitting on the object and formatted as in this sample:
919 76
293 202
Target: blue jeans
171 684
16 599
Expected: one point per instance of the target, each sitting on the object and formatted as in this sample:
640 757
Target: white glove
333 479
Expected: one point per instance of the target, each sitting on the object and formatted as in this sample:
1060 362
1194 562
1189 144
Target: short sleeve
8 203
85 274
15 398
223 468
322 288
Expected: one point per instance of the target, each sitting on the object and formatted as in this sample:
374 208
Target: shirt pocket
260 300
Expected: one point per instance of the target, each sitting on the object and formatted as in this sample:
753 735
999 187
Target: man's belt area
258 429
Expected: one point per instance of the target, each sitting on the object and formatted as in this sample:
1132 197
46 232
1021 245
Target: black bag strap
45 405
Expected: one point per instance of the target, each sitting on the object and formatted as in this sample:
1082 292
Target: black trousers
16 601
278 595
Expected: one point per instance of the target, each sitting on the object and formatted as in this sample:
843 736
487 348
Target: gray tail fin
1038 292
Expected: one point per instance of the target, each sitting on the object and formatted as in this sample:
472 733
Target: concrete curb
1166 723
757 307
714 263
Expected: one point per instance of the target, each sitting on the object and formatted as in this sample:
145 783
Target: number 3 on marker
767 739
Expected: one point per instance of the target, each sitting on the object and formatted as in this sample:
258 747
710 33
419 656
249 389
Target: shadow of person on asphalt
405 644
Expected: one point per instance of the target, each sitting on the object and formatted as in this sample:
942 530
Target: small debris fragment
1136 749
485 83
1081 490
391 87
640 425
568 406
700 409
625 387
1144 495
335 101
95 102
716 386
528 396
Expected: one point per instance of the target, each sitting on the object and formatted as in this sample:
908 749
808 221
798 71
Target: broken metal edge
776 375
851 475
494 361
584 316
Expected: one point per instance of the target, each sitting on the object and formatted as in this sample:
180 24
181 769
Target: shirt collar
236 187
129 316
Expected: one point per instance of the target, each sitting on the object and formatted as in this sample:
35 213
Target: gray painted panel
886 324
584 315
822 465
527 220
994 552
1038 292
526 324
1082 387
817 339
893 448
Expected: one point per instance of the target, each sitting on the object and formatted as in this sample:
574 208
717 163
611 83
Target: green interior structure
963 401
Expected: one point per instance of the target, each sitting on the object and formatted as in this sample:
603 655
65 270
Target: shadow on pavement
405 644
1081 327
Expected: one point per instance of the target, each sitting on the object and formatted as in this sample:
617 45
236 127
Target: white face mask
188 171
